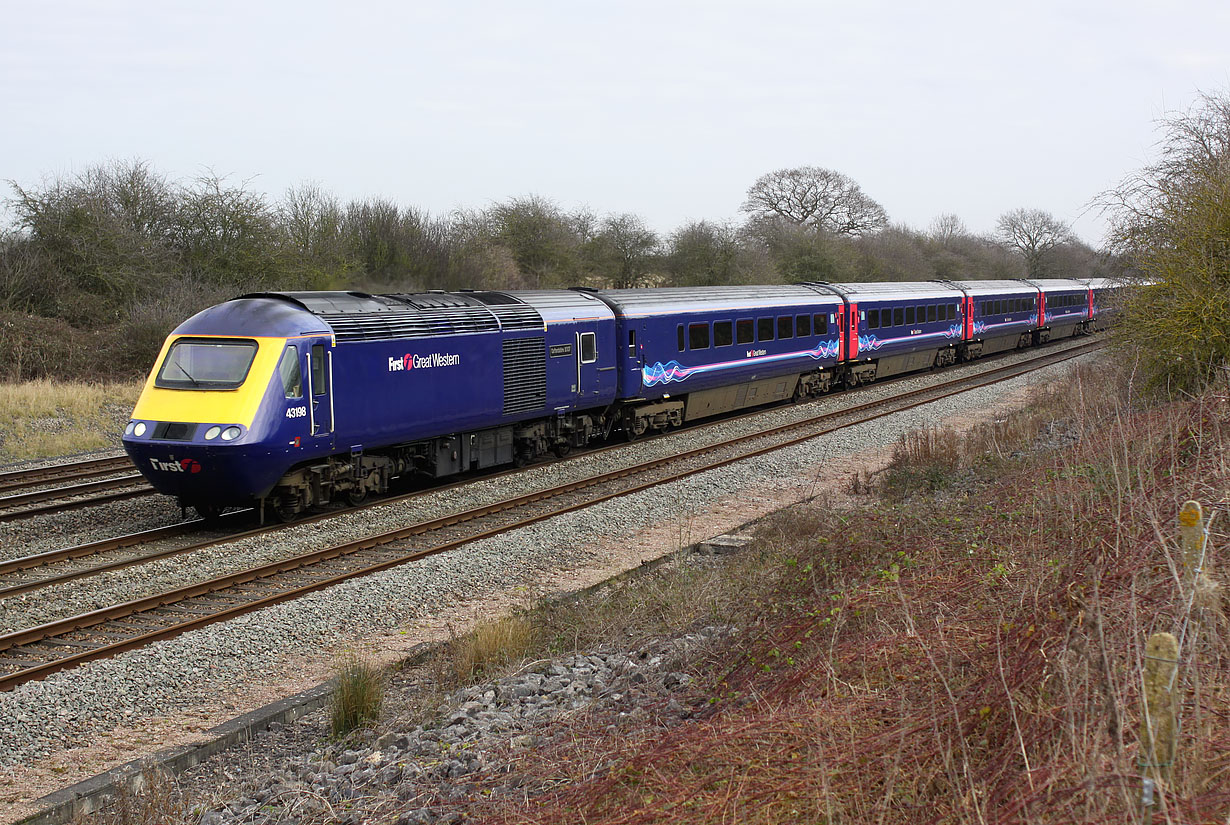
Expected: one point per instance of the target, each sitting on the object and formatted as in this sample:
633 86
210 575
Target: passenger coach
685 354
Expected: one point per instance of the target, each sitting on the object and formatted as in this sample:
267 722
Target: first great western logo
412 361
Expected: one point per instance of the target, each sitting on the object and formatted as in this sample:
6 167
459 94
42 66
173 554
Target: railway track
28 574
75 471
36 652
70 486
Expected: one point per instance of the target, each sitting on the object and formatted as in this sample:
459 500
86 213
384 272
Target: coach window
764 329
873 319
698 336
785 327
589 347
930 313
723 333
822 324
922 314
632 343
909 316
288 369
681 341
898 316
803 326
745 330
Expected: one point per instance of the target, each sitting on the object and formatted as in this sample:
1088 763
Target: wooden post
1158 729
1191 533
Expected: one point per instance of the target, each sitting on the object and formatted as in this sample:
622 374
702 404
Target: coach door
320 391
587 364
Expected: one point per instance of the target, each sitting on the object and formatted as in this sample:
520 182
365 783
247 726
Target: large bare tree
1033 233
817 198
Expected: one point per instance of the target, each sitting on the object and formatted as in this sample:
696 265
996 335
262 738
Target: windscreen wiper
180 367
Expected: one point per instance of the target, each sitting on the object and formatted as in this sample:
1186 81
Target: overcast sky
665 109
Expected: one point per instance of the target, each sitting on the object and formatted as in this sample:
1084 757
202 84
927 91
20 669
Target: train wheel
209 512
282 510
561 449
356 496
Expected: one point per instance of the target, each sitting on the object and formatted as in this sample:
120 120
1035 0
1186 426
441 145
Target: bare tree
816 198
1033 233
946 228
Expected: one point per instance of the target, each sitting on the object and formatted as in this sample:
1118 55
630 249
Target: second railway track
35 652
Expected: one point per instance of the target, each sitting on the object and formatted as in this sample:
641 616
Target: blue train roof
358 316
559 305
255 317
1001 287
669 300
1057 284
891 290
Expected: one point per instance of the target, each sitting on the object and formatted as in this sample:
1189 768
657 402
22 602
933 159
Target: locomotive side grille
426 321
512 312
517 316
525 375
412 323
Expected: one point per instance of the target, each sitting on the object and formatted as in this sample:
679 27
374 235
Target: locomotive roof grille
357 316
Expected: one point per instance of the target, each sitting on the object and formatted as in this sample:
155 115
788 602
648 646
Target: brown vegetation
977 661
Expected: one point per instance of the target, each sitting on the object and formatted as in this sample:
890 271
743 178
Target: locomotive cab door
320 391
587 364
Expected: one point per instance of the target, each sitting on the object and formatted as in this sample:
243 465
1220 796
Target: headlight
131 426
212 433
139 429
231 433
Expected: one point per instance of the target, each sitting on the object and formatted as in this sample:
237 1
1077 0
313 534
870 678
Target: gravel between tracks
74 708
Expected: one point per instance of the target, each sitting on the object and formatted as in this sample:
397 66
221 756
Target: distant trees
946 228
125 251
1032 233
816 198
705 253
623 253
1171 222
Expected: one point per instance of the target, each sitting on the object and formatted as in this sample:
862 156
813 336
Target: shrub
1172 220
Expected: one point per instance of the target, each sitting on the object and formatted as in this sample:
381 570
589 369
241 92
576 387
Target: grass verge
41 419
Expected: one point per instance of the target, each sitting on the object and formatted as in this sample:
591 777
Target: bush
1172 220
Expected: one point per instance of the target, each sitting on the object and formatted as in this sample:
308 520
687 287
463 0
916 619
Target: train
287 401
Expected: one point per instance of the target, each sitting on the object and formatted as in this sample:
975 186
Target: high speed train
291 400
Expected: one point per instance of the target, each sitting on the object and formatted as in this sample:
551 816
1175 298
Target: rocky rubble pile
427 774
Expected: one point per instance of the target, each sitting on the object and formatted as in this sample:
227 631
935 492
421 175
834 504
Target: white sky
666 109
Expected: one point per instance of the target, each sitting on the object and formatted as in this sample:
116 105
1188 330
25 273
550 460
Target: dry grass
159 801
357 697
972 662
48 418
490 645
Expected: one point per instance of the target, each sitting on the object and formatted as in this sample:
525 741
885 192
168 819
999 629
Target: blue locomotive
290 400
